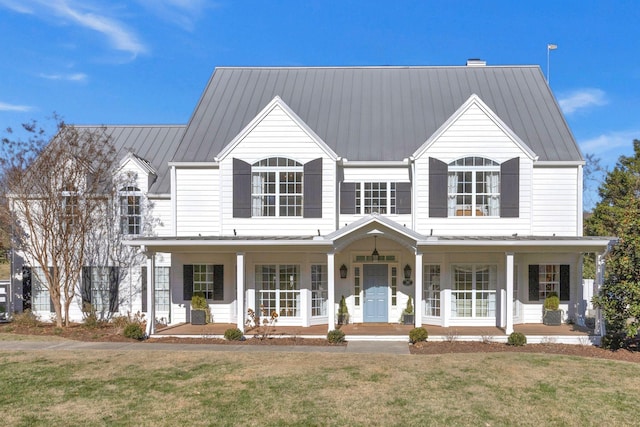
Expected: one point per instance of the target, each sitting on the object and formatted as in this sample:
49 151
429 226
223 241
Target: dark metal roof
154 144
378 113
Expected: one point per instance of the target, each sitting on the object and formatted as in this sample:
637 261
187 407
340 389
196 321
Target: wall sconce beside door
343 271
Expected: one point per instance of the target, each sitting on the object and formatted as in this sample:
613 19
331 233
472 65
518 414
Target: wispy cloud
611 145
75 77
183 13
13 107
86 15
582 99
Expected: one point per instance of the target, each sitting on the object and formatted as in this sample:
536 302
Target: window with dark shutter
143 282
510 188
534 283
437 188
218 282
114 287
348 198
86 287
187 282
403 198
312 193
565 283
241 189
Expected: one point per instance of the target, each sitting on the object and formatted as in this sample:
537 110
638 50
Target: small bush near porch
265 388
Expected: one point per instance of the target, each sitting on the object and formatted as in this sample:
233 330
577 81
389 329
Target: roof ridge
344 67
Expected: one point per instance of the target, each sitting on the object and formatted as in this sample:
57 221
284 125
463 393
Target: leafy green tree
618 214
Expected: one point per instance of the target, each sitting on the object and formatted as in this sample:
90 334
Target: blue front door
376 291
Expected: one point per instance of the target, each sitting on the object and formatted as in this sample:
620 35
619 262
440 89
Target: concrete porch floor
535 333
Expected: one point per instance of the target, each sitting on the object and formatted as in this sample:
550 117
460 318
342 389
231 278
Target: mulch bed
81 332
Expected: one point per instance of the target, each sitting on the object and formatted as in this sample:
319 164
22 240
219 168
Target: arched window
130 211
276 187
473 187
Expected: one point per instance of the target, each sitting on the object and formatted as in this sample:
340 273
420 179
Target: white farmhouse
458 187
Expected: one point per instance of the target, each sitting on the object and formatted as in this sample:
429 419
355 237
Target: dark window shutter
565 283
241 189
143 283
114 286
438 176
510 188
403 198
534 283
348 198
86 286
187 282
26 288
313 189
218 282
51 307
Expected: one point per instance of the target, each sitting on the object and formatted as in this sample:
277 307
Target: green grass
220 388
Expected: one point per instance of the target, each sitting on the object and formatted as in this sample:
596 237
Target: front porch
535 333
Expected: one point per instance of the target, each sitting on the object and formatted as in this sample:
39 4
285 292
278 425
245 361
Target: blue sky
147 61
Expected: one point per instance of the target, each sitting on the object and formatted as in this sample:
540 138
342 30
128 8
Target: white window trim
474 209
390 202
277 170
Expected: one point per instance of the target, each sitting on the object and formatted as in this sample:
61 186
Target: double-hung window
70 206
432 289
130 211
474 291
319 290
279 289
379 197
473 187
277 187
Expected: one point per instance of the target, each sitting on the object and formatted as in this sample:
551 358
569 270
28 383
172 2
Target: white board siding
473 134
555 201
277 135
161 216
376 174
197 201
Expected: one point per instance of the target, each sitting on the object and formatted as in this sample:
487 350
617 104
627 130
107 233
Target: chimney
476 62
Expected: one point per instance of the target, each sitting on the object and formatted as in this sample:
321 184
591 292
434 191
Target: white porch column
597 284
331 292
151 294
445 306
240 290
418 303
508 328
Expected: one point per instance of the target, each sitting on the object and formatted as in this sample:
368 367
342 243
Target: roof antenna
431 234
234 232
318 231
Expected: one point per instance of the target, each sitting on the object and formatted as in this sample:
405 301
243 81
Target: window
549 280
432 289
377 197
356 285
130 212
100 289
279 289
70 206
208 280
319 290
276 187
394 286
162 288
474 291
41 300
473 187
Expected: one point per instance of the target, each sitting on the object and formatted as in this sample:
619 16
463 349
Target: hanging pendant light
375 255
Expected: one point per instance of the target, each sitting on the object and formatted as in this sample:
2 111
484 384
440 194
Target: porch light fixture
375 255
343 271
407 271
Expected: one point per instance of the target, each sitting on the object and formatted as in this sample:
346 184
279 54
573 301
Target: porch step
378 347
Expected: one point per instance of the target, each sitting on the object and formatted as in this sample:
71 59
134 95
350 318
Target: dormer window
473 187
70 206
130 210
276 187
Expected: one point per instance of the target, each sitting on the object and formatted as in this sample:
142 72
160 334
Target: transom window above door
473 187
277 187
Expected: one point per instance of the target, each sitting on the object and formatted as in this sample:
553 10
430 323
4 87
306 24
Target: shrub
517 339
233 334
409 308
134 330
418 335
90 317
26 318
552 302
336 336
613 341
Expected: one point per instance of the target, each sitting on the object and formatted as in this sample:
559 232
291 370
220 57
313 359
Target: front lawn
274 388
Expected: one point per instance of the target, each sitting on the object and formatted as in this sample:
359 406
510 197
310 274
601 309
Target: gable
276 131
474 130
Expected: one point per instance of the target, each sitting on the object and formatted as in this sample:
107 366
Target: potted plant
552 315
408 317
343 312
199 309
